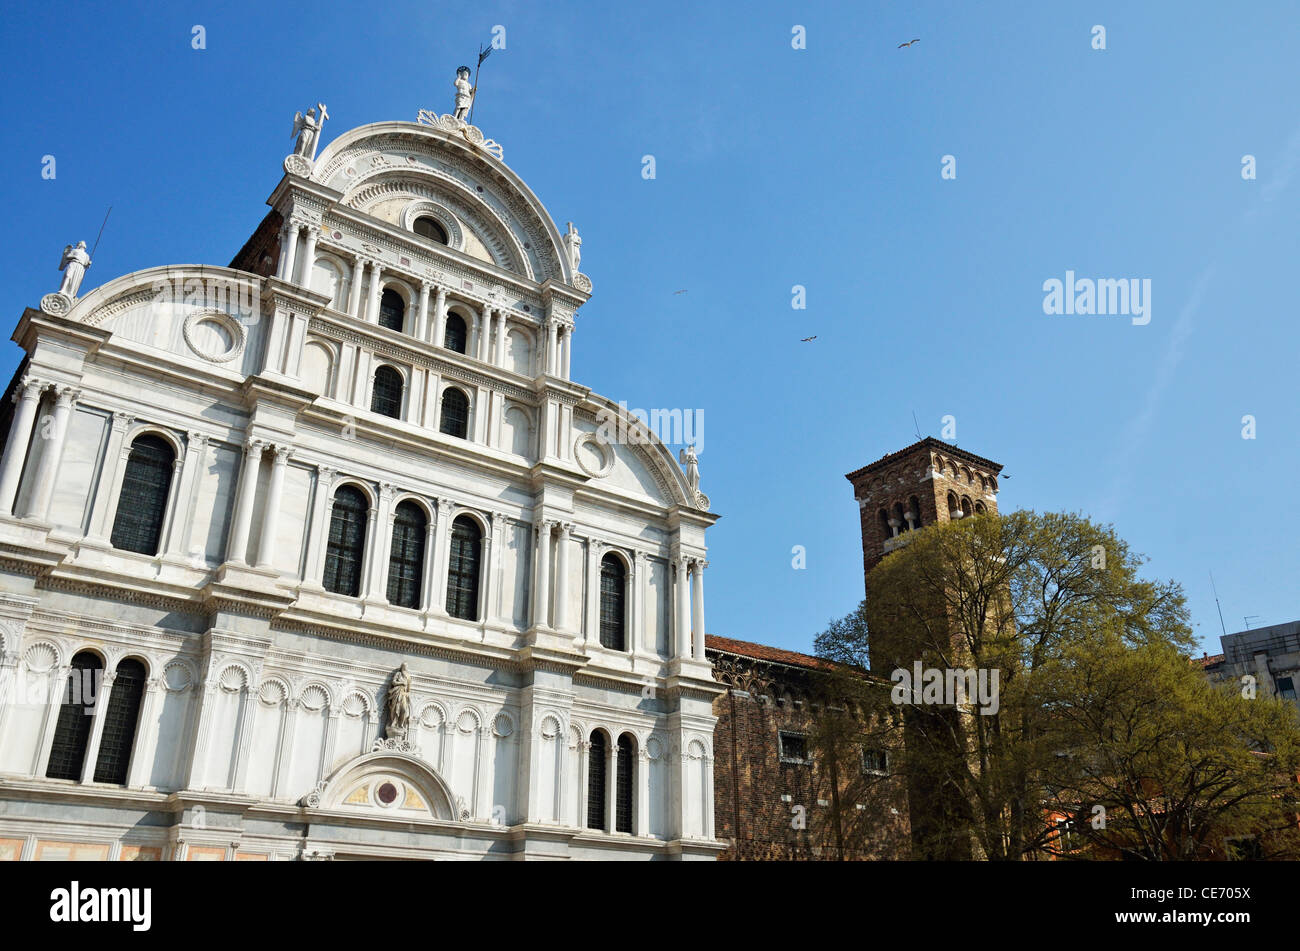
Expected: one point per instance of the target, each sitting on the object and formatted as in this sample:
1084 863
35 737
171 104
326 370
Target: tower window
455 336
454 416
392 310
463 569
613 587
623 786
143 503
430 228
386 396
76 714
120 720
406 562
347 542
793 747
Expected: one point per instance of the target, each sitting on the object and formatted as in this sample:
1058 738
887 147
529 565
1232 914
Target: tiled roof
1207 660
763 652
933 443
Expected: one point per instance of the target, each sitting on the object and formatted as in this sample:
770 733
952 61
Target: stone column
697 602
487 558
422 315
271 513
319 525
641 806
51 452
28 399
354 292
288 729
288 250
440 318
485 333
552 344
438 597
542 576
309 254
562 578
173 501
683 627
500 358
109 487
636 605
56 684
372 305
237 550
382 543
146 740
97 725
368 561
611 783
428 571
186 496
595 550
568 347
584 751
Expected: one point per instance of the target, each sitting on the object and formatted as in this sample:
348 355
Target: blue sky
776 167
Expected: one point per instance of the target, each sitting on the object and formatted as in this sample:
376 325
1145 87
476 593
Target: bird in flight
806 339
675 293
904 45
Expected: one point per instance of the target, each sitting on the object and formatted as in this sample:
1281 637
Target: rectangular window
1286 688
794 747
875 762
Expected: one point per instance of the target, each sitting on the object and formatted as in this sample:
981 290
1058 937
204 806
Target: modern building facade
324 555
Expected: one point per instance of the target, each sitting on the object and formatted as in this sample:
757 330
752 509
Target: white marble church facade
234 500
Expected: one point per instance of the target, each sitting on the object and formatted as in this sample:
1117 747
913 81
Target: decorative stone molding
234 328
395 746
472 134
298 166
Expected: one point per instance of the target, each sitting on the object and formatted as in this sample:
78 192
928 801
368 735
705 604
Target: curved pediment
386 783
389 169
612 445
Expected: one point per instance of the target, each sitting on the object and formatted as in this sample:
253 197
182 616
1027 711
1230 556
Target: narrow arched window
597 755
980 509
914 508
406 561
430 228
347 542
386 395
966 508
623 785
453 418
613 598
392 310
76 714
898 517
463 569
886 531
120 719
142 506
954 510
455 336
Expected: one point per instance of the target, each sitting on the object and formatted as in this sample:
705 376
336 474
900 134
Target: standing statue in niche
399 705
74 264
464 93
308 128
691 462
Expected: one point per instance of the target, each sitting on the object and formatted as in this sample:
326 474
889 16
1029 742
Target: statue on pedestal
573 244
74 264
308 128
688 459
464 93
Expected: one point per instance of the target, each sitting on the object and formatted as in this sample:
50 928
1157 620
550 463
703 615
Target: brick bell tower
929 481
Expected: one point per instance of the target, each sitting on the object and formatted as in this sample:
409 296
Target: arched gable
386 783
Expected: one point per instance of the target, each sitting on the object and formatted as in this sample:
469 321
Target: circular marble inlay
386 793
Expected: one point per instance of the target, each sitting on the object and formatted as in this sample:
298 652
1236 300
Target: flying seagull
904 45
806 339
675 293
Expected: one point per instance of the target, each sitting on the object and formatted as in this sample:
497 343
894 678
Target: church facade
324 555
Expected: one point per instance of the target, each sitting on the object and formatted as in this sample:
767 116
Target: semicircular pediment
437 164
386 783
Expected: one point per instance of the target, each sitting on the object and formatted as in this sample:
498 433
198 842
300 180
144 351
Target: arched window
430 228
914 507
120 719
980 509
898 516
76 714
386 395
347 542
884 524
406 561
463 569
455 336
613 589
143 503
966 508
954 510
623 785
454 416
597 755
392 310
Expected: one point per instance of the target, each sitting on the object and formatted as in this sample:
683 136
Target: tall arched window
392 310
463 569
623 783
430 228
455 336
914 506
406 561
613 588
597 755
954 510
120 719
347 542
453 418
386 395
142 506
76 714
